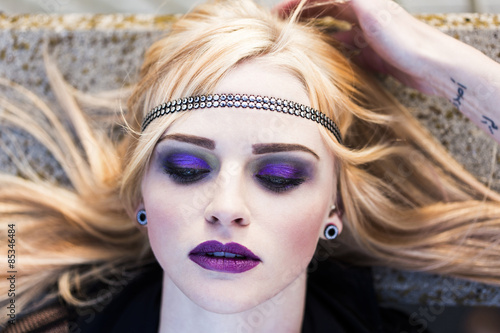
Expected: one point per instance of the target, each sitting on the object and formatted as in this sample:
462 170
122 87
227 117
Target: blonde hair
407 203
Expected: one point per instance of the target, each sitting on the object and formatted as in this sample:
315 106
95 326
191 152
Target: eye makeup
185 160
184 167
280 176
281 170
276 172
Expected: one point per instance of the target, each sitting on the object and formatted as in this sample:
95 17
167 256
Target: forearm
471 82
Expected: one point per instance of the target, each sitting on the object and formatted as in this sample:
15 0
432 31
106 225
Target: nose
228 205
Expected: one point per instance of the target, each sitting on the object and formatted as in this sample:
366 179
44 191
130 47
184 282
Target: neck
281 313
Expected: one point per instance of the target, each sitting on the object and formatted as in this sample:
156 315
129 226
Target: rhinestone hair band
241 101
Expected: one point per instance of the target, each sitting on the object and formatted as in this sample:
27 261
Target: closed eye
279 184
280 177
185 168
185 175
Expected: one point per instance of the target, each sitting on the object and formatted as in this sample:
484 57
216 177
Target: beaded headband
243 101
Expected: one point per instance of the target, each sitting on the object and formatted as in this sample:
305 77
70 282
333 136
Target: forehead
243 127
261 77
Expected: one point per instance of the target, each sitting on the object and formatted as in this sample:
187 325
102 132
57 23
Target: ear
334 218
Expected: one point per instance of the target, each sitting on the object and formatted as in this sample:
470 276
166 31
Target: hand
388 39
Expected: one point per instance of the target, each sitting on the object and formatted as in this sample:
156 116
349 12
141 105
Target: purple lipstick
227 258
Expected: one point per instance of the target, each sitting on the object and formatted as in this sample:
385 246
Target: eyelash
279 184
276 184
185 175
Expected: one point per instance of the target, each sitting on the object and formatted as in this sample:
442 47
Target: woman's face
253 177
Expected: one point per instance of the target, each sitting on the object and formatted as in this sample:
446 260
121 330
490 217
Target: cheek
161 223
303 233
167 212
297 229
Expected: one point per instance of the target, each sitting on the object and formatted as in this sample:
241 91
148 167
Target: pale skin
232 205
391 41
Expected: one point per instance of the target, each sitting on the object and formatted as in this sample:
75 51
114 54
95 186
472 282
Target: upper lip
215 246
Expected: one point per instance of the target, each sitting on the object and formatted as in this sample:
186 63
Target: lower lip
226 265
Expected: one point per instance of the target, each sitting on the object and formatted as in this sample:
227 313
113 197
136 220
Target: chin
227 301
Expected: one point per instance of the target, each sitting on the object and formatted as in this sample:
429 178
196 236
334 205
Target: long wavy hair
407 203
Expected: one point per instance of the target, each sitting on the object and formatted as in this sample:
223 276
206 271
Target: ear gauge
331 231
141 217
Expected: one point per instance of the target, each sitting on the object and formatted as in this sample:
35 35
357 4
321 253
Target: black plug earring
141 217
331 231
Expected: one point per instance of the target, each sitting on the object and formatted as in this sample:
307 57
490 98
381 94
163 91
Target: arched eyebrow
265 148
193 139
257 149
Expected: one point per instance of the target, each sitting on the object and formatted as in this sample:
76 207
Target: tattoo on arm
491 124
457 101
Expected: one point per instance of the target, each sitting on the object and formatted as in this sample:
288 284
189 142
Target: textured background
99 52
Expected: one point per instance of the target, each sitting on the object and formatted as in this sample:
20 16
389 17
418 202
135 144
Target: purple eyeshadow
281 170
179 160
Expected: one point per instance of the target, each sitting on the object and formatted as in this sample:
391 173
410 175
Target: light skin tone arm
391 41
